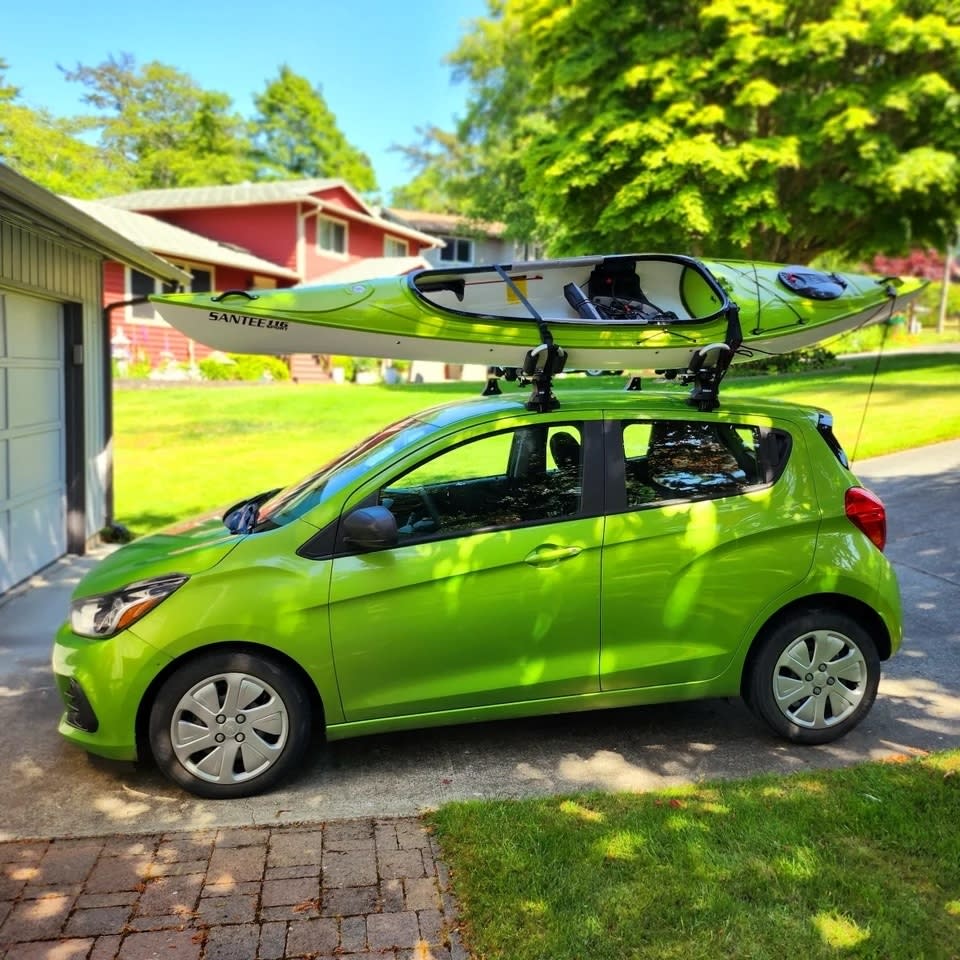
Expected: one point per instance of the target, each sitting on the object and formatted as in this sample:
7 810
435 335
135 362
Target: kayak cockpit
631 289
635 290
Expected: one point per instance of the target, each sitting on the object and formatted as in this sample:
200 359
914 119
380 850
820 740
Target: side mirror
370 528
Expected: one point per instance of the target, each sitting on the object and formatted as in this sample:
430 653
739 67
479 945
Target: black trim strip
74 428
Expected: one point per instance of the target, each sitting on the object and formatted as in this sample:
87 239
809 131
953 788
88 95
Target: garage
33 523
56 470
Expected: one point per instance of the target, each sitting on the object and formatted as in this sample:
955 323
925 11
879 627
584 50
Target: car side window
515 477
683 459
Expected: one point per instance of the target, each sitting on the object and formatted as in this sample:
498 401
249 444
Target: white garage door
32 470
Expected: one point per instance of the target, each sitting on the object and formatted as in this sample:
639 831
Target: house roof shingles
231 195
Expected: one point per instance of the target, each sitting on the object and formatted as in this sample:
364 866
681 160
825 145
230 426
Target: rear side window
685 460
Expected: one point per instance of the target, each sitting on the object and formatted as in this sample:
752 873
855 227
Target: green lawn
862 862
186 449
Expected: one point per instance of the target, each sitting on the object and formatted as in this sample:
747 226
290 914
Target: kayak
602 312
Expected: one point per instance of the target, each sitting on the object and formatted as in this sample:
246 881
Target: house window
331 236
392 247
142 285
202 280
456 250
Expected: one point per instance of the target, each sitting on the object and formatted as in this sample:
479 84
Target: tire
229 724
815 676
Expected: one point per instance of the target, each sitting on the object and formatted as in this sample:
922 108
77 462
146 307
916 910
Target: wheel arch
864 614
254 649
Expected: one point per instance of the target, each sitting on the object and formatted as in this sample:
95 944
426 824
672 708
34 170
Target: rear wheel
229 724
815 677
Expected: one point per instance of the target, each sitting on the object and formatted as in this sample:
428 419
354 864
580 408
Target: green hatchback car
482 560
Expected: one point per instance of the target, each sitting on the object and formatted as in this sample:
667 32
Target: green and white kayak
605 312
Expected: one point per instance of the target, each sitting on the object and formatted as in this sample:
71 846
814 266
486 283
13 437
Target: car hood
187 548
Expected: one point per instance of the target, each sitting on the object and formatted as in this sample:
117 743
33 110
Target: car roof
579 401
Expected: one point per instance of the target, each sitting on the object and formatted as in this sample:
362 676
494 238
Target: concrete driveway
51 789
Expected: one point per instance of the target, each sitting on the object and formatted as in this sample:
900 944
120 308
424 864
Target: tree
156 120
8 93
49 151
297 135
776 129
439 161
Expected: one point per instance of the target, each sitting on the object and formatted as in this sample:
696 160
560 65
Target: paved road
51 789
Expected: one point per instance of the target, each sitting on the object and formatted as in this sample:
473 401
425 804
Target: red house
248 235
311 227
137 333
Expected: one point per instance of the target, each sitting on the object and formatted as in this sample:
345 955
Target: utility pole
945 289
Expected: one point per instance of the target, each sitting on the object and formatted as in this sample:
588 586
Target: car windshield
296 500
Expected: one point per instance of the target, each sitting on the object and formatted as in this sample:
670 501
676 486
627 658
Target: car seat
565 450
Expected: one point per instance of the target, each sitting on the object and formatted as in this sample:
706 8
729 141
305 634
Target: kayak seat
617 279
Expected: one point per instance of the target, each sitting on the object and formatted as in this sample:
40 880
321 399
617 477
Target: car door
491 594
709 522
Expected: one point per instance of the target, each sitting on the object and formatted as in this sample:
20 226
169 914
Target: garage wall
36 262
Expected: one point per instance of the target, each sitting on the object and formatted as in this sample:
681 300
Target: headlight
104 615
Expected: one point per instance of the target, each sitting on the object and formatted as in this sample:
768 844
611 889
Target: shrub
797 361
930 298
354 365
134 370
244 366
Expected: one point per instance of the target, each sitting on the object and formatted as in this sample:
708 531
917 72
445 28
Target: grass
181 450
894 336
862 862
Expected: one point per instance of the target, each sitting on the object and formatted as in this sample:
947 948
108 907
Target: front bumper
102 684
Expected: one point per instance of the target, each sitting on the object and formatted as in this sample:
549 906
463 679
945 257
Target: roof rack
707 368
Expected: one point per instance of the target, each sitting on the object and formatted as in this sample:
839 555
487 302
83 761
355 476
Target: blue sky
379 63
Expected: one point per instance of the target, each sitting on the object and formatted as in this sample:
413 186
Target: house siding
363 240
266 230
342 197
152 340
42 265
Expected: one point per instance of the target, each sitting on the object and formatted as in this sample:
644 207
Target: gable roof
29 200
229 195
267 192
165 238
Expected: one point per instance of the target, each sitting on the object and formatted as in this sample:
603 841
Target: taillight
867 512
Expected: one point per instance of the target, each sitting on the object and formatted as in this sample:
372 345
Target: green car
482 560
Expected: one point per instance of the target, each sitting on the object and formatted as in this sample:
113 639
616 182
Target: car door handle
550 553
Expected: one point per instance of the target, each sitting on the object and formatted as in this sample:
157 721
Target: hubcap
229 728
819 679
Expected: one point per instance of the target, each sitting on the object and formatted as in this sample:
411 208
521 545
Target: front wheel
229 724
815 677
